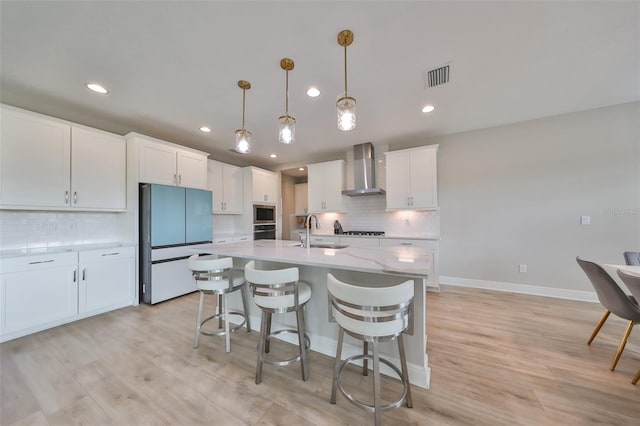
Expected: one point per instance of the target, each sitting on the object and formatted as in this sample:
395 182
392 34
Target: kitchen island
366 266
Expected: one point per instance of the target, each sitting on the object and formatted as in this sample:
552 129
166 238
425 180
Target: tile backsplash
33 229
367 213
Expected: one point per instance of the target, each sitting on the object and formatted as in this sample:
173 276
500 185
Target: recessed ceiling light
313 92
205 129
273 156
428 108
301 169
97 88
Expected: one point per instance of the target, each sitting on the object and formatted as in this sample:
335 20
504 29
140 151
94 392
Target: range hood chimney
364 171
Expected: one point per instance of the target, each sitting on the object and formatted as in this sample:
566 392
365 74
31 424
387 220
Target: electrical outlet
585 220
522 268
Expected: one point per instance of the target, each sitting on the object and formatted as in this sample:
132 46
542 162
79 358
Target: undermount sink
329 246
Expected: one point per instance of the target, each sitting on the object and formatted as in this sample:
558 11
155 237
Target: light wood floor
496 359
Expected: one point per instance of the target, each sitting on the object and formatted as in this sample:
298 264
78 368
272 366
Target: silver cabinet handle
66 197
115 253
175 178
84 274
41 261
75 197
75 272
179 178
406 244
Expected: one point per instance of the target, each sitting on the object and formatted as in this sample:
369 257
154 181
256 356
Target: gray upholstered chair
632 258
633 284
614 300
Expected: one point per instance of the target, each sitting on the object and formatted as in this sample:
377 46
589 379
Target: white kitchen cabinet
412 179
46 290
52 164
107 279
433 281
301 199
226 183
37 292
242 238
166 163
325 184
264 184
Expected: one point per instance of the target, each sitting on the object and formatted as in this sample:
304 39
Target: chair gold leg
621 346
598 327
635 379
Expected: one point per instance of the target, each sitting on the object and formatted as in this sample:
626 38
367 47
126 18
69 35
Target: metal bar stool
277 292
372 315
217 276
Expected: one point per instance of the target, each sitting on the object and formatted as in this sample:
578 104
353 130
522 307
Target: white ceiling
172 67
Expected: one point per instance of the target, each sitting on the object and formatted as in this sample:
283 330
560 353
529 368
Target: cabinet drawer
223 240
40 261
242 238
323 239
106 255
430 244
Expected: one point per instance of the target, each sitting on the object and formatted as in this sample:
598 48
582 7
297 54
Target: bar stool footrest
307 345
221 315
368 407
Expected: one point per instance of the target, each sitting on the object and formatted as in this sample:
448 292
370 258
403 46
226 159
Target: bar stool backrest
380 312
210 272
276 283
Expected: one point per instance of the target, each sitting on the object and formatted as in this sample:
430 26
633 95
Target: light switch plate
585 220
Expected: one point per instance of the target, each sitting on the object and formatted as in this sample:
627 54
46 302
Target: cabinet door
233 180
35 155
397 180
264 185
98 170
423 179
326 182
106 280
167 215
301 199
315 188
192 170
33 299
215 185
157 163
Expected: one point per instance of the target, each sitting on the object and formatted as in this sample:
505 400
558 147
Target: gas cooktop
366 233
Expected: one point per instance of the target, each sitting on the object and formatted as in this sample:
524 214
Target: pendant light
287 123
346 105
243 137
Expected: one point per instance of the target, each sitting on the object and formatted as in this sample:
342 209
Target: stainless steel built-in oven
264 231
264 214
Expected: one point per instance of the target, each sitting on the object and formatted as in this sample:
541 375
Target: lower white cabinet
43 291
360 241
106 279
433 280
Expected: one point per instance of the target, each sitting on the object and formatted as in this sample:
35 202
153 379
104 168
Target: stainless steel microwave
264 214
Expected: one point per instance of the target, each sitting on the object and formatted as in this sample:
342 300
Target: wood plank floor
496 359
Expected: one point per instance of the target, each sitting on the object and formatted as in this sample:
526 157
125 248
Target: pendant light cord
244 91
345 71
286 102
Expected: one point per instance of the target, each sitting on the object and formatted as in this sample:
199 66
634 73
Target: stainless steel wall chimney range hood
364 171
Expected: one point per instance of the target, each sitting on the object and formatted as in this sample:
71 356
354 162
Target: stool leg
636 378
302 344
267 343
219 309
261 341
227 334
336 366
365 361
196 341
405 372
376 383
245 305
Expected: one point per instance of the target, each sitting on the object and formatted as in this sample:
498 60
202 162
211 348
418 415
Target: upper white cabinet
412 178
226 183
264 184
52 164
326 182
168 164
301 196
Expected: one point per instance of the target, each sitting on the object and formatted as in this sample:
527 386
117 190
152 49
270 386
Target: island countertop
412 262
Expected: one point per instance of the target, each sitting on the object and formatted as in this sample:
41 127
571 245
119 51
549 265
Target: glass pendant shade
243 141
287 126
346 108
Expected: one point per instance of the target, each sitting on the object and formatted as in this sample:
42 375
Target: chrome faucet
307 226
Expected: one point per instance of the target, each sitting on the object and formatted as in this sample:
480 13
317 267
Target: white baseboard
559 293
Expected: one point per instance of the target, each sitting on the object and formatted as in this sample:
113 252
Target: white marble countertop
34 251
398 236
406 261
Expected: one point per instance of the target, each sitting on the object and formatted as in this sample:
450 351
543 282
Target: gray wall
514 195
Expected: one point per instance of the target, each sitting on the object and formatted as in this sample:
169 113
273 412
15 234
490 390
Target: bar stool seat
373 315
275 292
216 276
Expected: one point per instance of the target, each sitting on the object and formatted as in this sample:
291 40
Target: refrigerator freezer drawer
180 251
170 279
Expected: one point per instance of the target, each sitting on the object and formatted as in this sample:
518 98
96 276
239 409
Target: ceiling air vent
437 76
